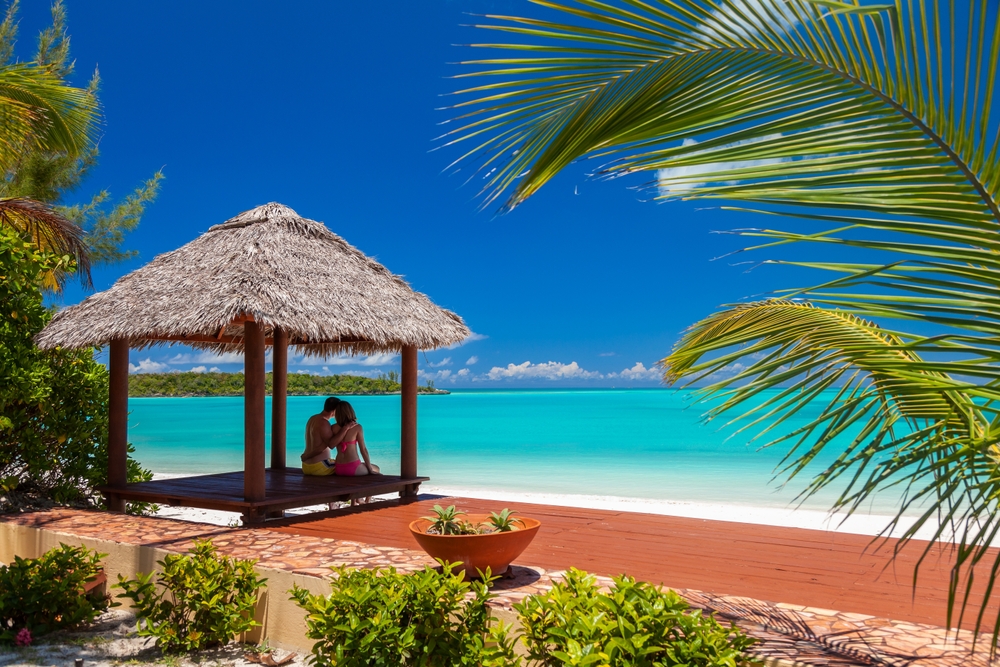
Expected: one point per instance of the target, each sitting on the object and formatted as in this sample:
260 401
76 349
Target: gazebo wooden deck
266 278
284 488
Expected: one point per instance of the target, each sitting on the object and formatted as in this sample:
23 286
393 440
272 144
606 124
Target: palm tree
48 231
873 125
40 112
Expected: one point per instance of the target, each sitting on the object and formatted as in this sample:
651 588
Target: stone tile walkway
789 634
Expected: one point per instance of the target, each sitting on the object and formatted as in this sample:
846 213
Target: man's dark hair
331 404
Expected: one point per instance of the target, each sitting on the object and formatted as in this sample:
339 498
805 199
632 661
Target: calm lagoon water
648 444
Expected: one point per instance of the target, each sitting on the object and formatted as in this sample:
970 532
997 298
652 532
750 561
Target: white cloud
473 337
472 360
637 372
346 360
729 19
726 371
207 357
199 369
214 369
606 354
436 376
364 374
147 365
550 370
679 181
465 372
444 362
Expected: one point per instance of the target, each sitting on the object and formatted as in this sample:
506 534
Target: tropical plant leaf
710 92
876 120
39 111
49 231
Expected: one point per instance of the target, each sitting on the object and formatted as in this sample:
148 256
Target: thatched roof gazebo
264 278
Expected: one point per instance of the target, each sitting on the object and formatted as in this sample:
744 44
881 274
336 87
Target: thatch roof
275 267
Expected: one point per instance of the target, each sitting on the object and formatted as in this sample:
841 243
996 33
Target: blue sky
332 108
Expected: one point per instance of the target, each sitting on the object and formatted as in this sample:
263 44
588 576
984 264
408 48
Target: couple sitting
345 435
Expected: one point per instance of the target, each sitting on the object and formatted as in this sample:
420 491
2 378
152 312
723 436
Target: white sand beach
860 523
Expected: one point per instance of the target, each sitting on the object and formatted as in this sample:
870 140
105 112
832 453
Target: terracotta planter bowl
477 552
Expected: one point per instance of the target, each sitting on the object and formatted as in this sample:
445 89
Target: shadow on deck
284 489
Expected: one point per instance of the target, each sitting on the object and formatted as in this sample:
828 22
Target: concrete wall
282 621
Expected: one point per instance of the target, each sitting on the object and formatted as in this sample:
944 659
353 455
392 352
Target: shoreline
861 523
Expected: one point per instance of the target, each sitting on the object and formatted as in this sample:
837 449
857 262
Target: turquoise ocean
642 444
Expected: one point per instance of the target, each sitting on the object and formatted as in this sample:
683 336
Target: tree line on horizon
231 384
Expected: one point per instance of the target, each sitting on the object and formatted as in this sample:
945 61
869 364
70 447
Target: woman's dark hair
331 404
344 413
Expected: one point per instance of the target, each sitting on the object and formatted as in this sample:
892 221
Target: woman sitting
348 463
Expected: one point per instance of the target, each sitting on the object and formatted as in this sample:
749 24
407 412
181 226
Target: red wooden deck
805 567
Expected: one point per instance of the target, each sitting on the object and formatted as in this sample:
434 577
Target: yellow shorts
320 469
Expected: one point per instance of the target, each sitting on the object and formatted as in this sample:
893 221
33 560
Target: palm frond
897 422
834 99
877 119
41 112
49 231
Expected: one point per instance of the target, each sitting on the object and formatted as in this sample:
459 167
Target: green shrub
46 594
634 624
206 600
54 403
382 618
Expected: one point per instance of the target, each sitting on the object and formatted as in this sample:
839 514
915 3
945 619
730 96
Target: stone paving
789 634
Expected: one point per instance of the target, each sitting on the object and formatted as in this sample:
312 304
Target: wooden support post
408 427
253 412
117 421
279 399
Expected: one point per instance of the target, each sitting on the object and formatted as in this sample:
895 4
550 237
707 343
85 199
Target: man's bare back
319 433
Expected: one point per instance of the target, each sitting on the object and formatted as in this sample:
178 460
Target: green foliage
504 521
634 624
47 593
48 171
446 521
205 600
231 384
53 404
380 618
40 109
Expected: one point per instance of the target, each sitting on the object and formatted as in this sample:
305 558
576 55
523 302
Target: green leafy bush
382 618
204 600
47 593
634 624
53 404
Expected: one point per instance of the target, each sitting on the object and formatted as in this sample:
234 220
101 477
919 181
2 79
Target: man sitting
320 437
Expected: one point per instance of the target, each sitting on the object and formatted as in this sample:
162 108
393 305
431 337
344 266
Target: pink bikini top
343 446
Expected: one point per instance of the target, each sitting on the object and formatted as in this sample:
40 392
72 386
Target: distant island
231 384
